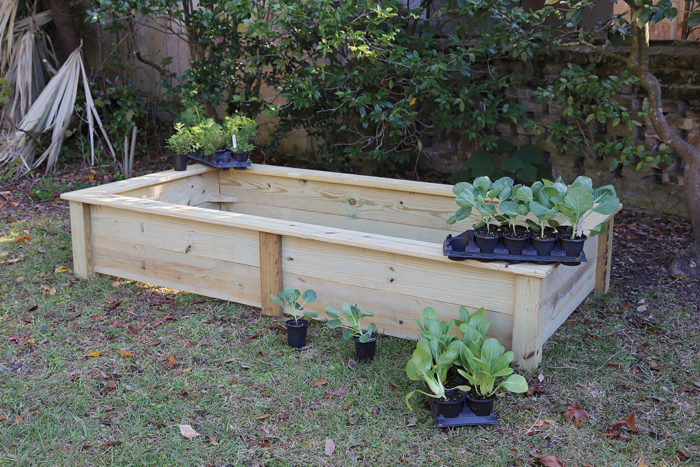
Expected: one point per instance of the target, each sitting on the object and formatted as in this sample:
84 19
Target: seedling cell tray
223 160
500 253
465 418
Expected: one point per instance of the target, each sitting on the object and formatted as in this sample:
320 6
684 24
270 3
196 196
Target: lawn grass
227 372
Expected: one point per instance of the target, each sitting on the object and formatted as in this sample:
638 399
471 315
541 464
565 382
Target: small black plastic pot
451 407
459 242
180 162
296 332
480 407
572 246
514 244
543 246
486 241
364 351
240 156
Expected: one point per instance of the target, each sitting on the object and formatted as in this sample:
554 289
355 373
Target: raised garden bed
243 235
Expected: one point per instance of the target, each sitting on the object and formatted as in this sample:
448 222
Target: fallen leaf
353 419
348 403
393 384
336 393
682 456
577 423
96 353
213 441
575 412
19 419
188 432
263 416
284 416
116 284
110 444
31 340
630 423
540 378
125 353
6 262
23 238
52 292
2 419
266 394
412 421
111 384
549 460
329 447
641 464
20 279
32 308
171 362
319 382
351 364
61 269
132 330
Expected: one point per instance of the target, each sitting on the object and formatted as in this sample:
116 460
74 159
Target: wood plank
183 271
563 275
388 272
407 247
143 181
177 235
270 272
394 314
602 277
189 191
391 206
528 332
568 300
342 222
81 239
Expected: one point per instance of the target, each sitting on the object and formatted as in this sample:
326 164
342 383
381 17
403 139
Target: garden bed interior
242 234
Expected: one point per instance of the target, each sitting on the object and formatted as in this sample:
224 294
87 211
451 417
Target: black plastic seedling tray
500 253
224 160
465 418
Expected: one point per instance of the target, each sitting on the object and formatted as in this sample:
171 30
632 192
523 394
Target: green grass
252 399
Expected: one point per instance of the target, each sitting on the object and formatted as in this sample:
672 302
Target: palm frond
8 12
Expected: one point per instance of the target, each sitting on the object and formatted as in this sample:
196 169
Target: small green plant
485 364
244 129
517 204
289 301
546 197
581 200
480 195
182 141
431 368
473 327
207 136
436 331
353 314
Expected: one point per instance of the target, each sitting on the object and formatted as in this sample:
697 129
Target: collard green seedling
515 205
289 301
353 314
487 363
431 369
581 200
544 204
479 195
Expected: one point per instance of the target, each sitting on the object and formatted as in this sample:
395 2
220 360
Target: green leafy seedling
289 301
353 315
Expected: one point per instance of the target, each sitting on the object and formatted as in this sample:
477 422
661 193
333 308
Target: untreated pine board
189 191
270 272
342 222
602 277
205 276
81 239
418 249
528 332
176 234
417 209
394 314
569 300
382 271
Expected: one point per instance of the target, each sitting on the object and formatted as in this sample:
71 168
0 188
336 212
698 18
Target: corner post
528 326
81 238
602 269
270 272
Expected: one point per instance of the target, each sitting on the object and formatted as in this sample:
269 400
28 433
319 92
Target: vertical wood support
528 325
81 238
270 272
602 271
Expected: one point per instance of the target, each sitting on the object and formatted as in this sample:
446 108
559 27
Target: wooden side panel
177 235
270 272
394 313
81 238
347 200
387 272
528 335
190 191
602 275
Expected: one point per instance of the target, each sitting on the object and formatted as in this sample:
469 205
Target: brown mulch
643 245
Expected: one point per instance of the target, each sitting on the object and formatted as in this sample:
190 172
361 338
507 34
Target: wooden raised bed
242 235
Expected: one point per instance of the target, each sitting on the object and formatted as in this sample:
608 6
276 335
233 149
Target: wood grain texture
528 335
190 191
81 239
602 276
270 272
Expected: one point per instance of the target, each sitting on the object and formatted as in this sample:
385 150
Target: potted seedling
546 196
432 371
475 195
513 207
182 143
297 327
579 202
483 366
240 131
365 341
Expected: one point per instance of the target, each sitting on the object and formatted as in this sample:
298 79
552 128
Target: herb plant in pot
297 327
513 207
365 341
431 369
240 131
182 143
482 367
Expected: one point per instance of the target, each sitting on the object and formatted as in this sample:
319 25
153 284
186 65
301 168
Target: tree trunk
66 29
